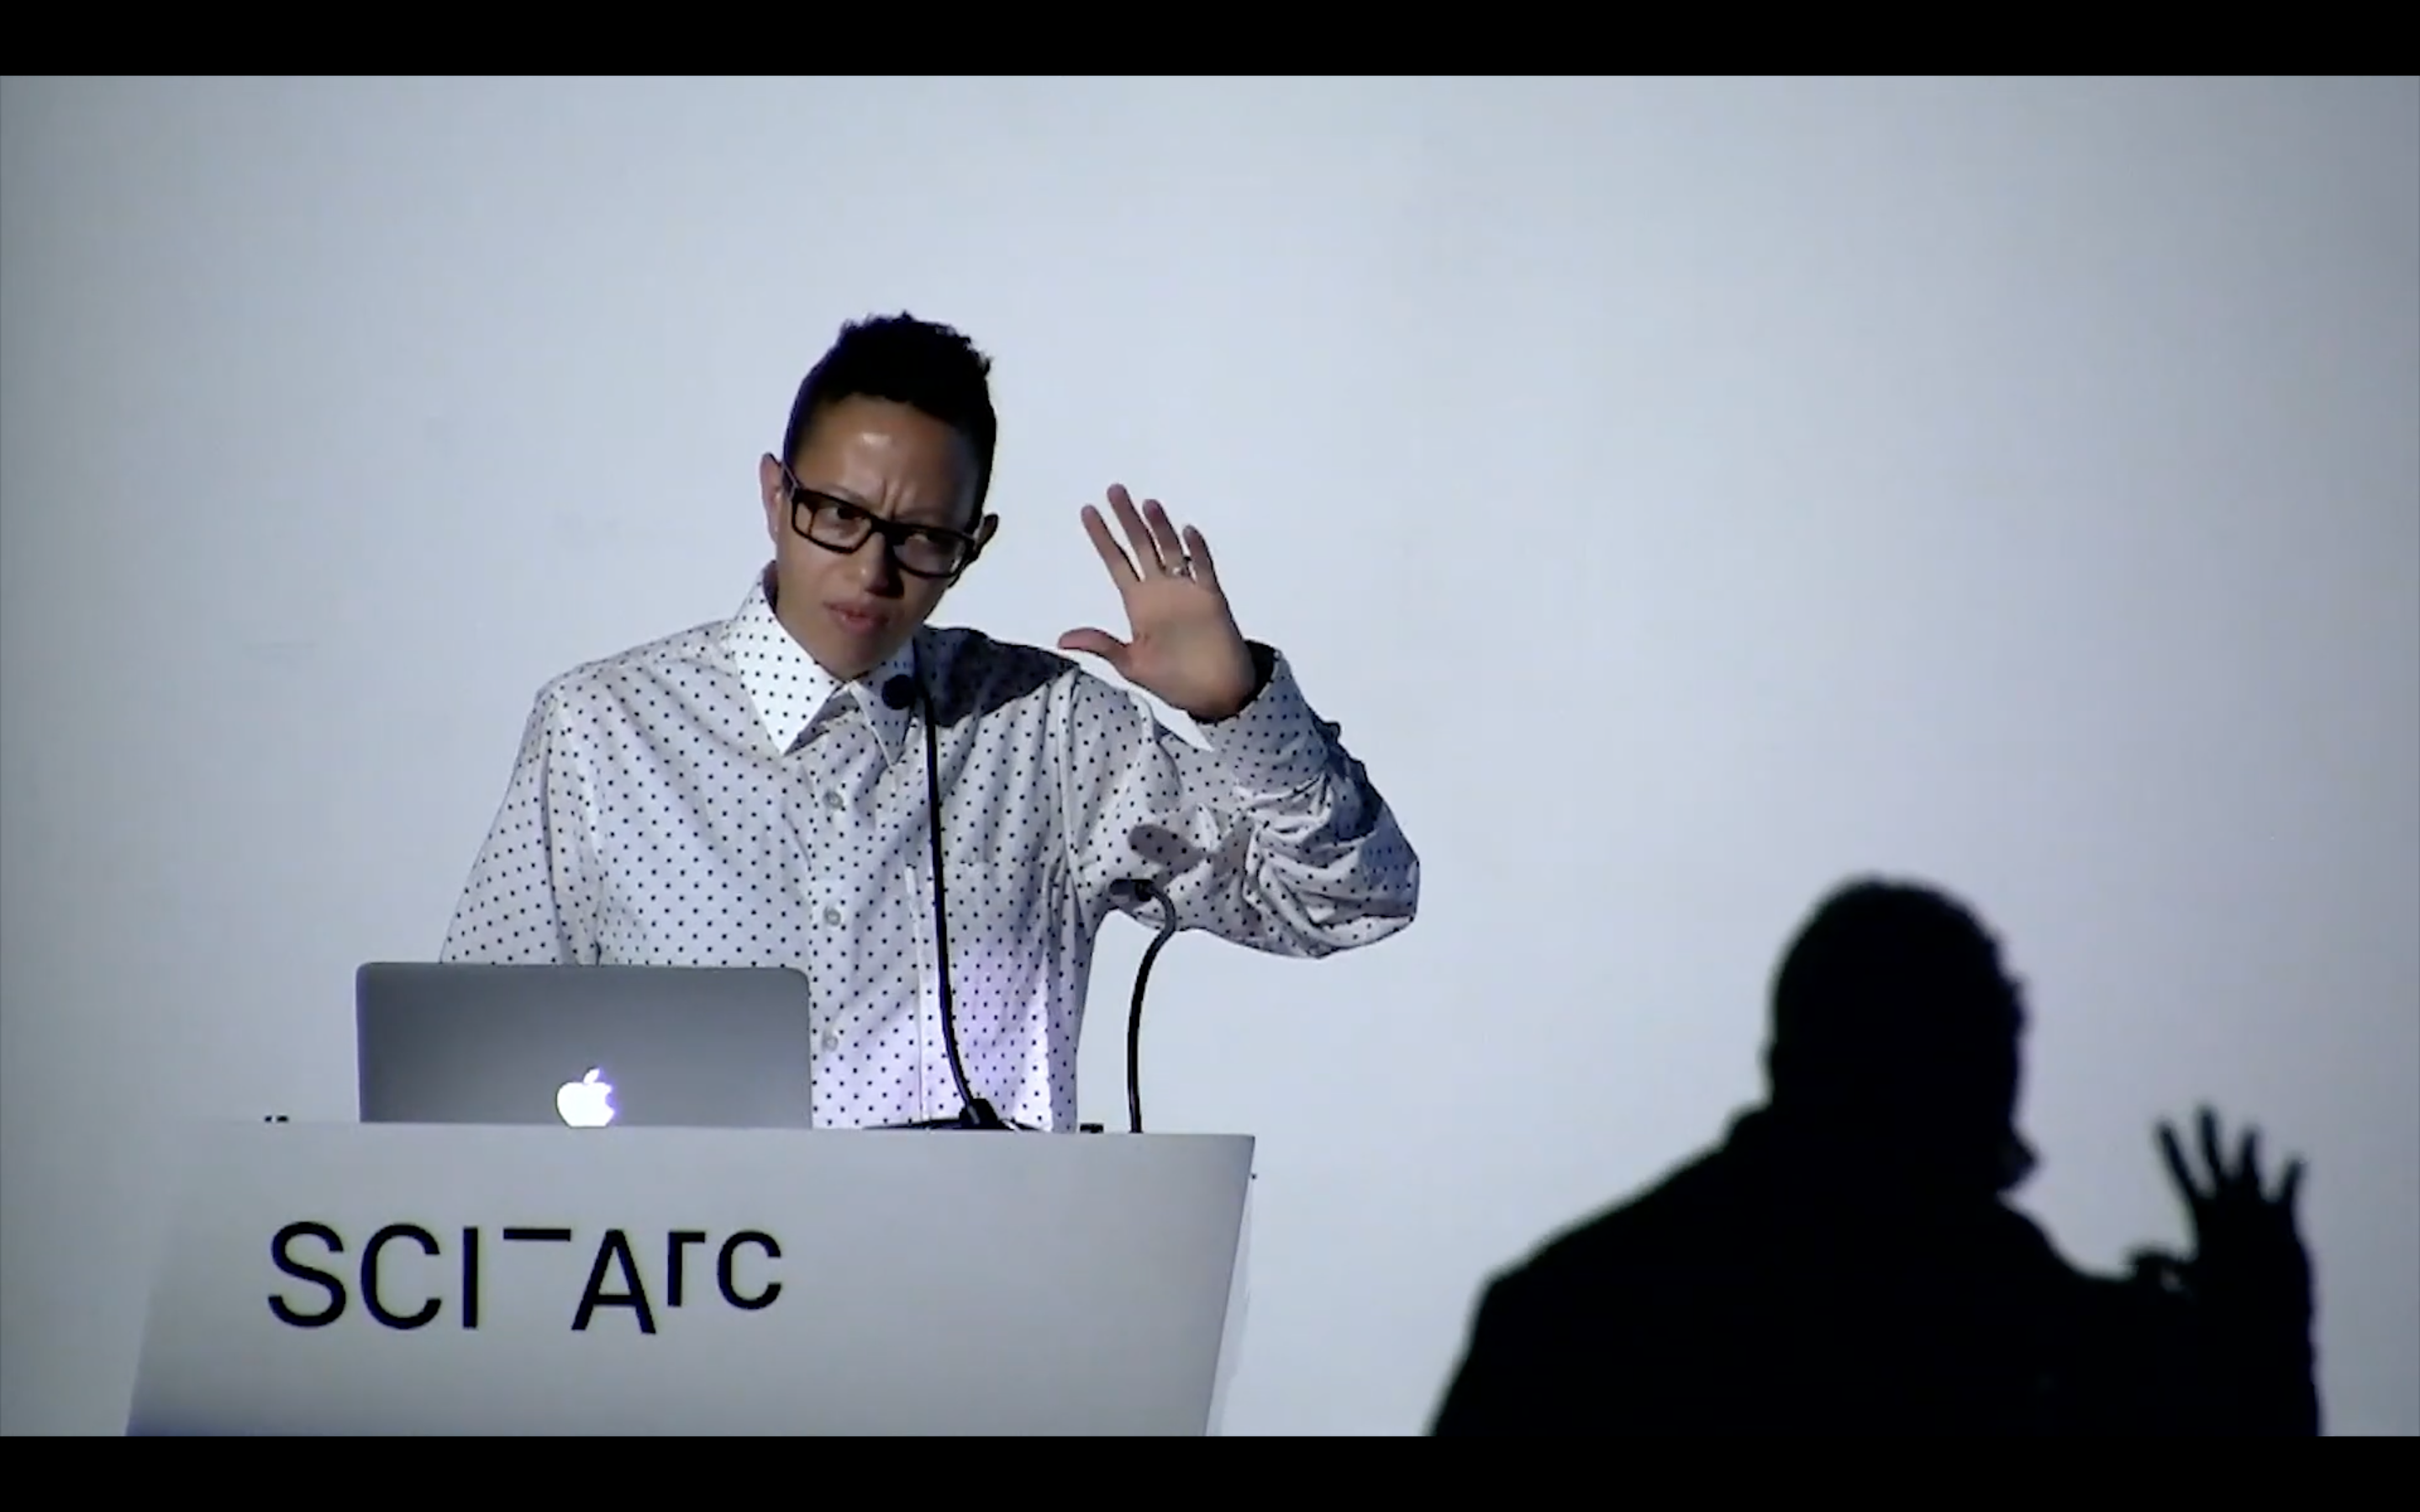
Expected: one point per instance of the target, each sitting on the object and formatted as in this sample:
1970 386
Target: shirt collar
791 691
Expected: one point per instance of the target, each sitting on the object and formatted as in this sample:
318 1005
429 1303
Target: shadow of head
1895 1039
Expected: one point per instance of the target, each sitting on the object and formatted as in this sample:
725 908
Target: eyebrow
917 515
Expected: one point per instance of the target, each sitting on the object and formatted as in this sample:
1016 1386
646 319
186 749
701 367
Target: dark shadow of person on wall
1845 1261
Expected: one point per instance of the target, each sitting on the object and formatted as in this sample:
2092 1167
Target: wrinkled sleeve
1274 838
531 898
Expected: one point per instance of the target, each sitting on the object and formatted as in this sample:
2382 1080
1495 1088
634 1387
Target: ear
771 483
985 531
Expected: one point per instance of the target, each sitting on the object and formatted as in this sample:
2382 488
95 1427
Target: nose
872 564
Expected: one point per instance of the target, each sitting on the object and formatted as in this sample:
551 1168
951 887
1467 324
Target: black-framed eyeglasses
843 526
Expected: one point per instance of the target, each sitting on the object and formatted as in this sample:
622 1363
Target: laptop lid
588 1046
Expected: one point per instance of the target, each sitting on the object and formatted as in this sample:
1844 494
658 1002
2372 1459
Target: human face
852 608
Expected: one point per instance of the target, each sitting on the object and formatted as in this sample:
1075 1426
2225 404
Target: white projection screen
1685 494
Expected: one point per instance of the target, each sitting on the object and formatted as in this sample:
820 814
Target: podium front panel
387 1279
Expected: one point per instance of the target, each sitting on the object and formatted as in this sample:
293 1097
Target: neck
1833 1161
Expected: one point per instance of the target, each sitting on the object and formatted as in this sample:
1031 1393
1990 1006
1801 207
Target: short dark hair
930 368
1885 973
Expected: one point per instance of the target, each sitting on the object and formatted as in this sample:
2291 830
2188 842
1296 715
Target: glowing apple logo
586 1103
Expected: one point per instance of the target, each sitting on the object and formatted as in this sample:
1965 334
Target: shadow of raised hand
2248 1256
2248 1284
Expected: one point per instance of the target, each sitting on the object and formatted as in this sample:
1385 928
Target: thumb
1096 643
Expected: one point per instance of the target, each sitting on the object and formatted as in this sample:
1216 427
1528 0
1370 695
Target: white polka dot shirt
715 798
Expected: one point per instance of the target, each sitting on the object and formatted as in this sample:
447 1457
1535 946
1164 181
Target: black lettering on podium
616 1245
427 1312
724 1281
538 1236
675 1242
280 1254
469 1275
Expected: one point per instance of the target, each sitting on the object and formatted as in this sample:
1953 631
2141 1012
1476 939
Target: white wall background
1684 493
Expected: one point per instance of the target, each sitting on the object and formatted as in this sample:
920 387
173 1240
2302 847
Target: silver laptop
587 1046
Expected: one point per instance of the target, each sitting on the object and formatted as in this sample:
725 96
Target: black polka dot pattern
715 798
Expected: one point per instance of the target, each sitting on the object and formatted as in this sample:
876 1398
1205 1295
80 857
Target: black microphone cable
898 693
1143 892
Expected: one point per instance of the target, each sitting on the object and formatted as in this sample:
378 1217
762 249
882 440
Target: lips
857 619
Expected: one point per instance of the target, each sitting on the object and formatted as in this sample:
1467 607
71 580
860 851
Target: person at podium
753 791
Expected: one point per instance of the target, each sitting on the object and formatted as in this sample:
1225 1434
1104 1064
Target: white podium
397 1279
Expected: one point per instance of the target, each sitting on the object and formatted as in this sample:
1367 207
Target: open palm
2248 1254
1183 645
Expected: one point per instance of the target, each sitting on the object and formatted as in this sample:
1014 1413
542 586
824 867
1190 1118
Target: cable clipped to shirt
902 692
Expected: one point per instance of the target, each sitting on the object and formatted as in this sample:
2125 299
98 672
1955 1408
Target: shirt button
831 800
830 1041
831 915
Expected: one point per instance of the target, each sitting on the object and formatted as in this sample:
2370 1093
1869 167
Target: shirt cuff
1274 744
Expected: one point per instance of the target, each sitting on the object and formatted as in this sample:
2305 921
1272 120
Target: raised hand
2248 1254
1182 644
